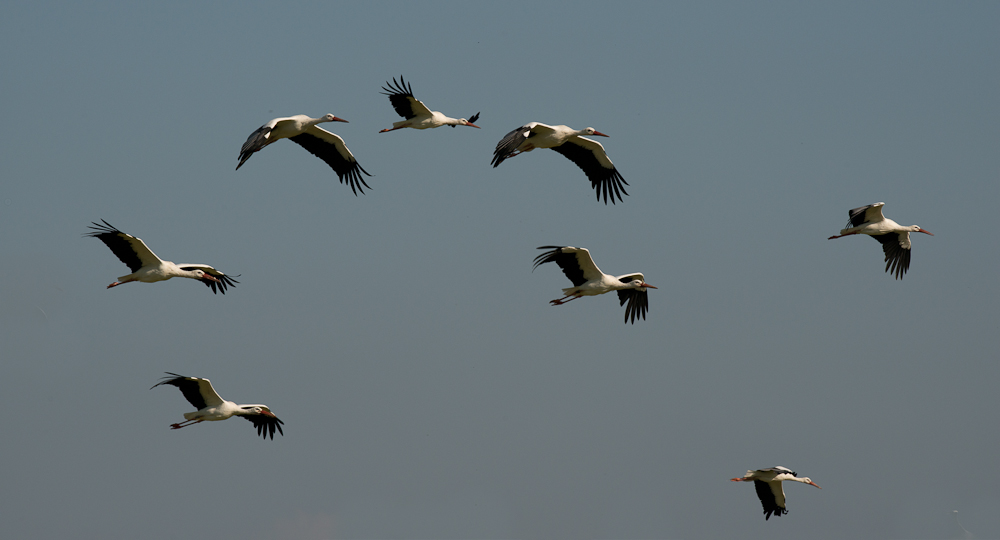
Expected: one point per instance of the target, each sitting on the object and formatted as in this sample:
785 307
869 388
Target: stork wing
331 148
638 299
772 498
511 141
401 97
129 249
257 140
216 286
197 391
896 247
265 422
576 263
871 213
590 156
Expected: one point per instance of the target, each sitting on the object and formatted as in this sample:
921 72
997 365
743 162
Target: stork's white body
587 154
895 238
417 115
148 268
319 142
589 280
767 484
212 408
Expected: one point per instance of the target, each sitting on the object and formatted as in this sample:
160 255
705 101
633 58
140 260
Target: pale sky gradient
427 387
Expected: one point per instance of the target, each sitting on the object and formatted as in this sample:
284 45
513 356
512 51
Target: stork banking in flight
416 115
302 130
147 267
767 484
588 280
895 238
588 154
212 408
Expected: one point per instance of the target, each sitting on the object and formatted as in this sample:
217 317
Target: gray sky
428 388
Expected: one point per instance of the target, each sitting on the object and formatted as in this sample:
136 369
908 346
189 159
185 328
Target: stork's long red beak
814 484
470 124
210 277
599 134
648 286
925 232
336 119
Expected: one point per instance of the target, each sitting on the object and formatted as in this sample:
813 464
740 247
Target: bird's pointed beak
210 277
814 484
648 286
338 119
735 479
470 124
271 414
925 232
599 134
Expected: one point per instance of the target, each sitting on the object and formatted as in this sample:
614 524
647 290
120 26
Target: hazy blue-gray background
427 386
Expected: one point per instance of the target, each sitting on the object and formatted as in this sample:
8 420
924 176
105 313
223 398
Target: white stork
147 267
417 115
211 407
303 131
895 238
588 154
767 483
588 280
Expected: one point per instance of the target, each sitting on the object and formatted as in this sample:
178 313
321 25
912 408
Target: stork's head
592 131
332 118
257 409
916 228
464 122
806 480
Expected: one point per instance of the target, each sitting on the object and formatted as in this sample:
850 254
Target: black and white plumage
211 407
767 483
588 280
588 154
895 238
416 114
303 131
147 267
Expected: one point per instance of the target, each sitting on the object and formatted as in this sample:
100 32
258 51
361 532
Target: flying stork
767 483
303 131
895 238
588 280
211 407
588 154
416 114
147 267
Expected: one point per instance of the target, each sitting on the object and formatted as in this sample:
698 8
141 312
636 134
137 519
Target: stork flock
576 263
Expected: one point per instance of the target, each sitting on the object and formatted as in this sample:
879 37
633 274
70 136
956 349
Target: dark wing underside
509 143
257 140
118 244
897 258
857 216
602 179
349 169
567 261
473 118
638 303
188 386
400 95
766 497
265 425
